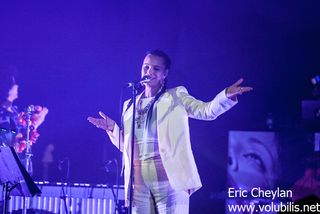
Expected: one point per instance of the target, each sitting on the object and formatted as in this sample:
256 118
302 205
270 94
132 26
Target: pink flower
34 135
22 146
36 118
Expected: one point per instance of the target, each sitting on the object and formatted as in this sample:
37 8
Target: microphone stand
134 87
65 184
28 154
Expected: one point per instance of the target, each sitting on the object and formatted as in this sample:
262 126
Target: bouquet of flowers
36 119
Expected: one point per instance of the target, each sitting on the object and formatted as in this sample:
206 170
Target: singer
12 121
165 173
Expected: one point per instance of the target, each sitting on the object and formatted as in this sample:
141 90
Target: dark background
74 57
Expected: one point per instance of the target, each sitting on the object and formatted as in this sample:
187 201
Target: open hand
234 90
104 123
39 115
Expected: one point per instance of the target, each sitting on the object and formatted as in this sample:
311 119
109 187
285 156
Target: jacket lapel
163 108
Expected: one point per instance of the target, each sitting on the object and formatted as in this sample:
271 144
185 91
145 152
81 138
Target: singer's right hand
105 123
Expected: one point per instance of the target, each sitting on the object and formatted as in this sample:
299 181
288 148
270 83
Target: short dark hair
163 55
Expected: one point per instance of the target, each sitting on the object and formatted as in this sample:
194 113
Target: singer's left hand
235 89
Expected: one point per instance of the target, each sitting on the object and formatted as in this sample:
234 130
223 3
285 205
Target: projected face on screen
253 160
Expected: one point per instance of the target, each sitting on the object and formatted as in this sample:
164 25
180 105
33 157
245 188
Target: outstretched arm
211 110
107 124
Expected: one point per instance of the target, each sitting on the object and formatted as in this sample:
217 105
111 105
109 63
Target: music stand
14 177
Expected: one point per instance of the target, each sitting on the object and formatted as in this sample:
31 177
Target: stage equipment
79 197
310 109
310 113
14 178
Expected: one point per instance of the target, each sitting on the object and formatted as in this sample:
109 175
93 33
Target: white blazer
174 108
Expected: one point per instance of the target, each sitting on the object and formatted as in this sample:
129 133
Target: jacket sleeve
198 109
116 136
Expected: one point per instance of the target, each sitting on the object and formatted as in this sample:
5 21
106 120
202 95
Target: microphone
144 79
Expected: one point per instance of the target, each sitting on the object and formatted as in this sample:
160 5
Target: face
13 93
252 160
154 67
